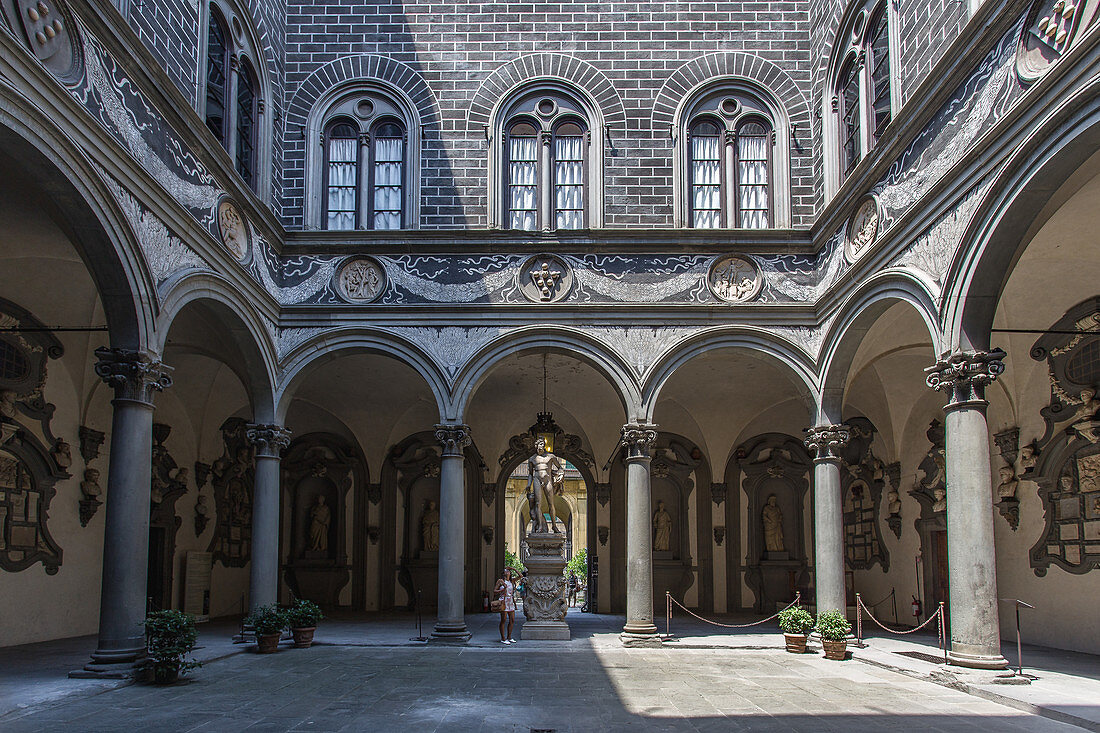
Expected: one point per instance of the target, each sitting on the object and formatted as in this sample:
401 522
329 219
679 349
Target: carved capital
270 440
638 439
825 441
134 375
453 438
964 376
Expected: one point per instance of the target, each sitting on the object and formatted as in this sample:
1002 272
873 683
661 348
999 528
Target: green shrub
267 620
511 560
578 565
303 614
796 620
171 636
832 625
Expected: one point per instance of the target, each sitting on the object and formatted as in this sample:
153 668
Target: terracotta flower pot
837 650
268 643
796 643
165 676
303 637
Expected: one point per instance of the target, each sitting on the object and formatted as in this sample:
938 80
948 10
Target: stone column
135 377
450 624
269 441
825 442
639 630
971 556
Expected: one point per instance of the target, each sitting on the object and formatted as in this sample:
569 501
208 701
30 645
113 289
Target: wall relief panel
232 477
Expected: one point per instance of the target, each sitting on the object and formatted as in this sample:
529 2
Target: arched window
387 167
246 124
217 78
729 158
341 175
864 87
545 166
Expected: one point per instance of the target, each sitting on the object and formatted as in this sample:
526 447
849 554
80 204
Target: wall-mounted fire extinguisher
485 601
916 607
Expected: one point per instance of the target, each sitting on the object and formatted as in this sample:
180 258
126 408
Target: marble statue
319 518
772 517
7 403
662 526
1085 423
62 453
1028 457
545 478
940 504
1006 489
90 485
429 527
893 502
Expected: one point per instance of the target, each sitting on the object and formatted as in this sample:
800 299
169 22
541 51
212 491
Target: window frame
371 164
586 144
246 70
216 18
723 193
336 121
769 135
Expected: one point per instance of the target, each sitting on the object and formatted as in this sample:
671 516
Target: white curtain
388 157
706 182
523 183
569 182
752 163
342 182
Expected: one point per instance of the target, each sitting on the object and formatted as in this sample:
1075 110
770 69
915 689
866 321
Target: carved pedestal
545 603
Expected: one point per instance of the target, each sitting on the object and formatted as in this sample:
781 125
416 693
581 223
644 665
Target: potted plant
303 617
834 629
795 622
269 622
170 637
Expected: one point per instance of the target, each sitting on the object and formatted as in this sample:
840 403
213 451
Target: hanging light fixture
544 426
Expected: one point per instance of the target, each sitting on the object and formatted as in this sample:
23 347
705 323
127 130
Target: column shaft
264 569
637 440
450 622
828 537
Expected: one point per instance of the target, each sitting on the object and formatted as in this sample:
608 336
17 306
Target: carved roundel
1051 28
734 279
48 30
862 229
545 279
361 280
234 230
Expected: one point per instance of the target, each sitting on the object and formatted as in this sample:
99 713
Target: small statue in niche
90 487
62 454
662 528
940 504
429 527
7 404
1006 489
202 514
1085 423
1028 457
319 518
893 502
772 516
545 478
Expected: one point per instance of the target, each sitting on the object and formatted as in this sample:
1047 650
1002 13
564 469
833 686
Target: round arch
1021 199
858 313
559 340
245 327
329 345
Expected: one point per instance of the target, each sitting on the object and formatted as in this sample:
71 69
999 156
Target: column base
112 665
640 635
451 633
977 661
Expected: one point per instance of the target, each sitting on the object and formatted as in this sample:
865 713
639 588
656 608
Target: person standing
506 596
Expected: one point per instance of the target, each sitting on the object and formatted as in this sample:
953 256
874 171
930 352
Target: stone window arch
546 170
733 166
864 88
233 89
364 170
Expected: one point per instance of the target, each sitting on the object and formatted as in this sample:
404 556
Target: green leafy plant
832 625
578 565
511 560
796 620
171 636
303 614
267 620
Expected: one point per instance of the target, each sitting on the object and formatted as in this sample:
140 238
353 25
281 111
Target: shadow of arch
858 314
1019 202
244 326
84 209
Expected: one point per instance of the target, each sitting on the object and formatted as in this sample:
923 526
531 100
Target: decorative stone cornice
269 440
134 375
453 438
638 439
964 376
825 441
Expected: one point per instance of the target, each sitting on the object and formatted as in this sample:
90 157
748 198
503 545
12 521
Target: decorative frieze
964 375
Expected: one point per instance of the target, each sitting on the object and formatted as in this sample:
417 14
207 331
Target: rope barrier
669 600
941 626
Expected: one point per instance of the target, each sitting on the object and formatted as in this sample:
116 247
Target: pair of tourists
505 602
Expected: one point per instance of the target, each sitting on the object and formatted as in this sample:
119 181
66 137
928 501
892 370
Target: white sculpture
545 478
662 525
772 516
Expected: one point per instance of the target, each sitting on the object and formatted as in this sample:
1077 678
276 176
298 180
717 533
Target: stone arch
247 329
753 339
89 216
761 74
857 314
546 66
561 340
1014 210
366 67
325 345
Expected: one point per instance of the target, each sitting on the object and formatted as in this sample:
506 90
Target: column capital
270 440
964 375
825 441
134 374
638 439
453 438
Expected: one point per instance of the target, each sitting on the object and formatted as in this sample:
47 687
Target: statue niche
318 471
416 463
672 473
232 477
775 484
168 483
862 483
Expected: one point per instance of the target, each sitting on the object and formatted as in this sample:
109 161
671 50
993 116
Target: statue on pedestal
772 516
545 478
320 516
662 527
429 527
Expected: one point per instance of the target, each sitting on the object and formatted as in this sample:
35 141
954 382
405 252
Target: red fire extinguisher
485 601
916 607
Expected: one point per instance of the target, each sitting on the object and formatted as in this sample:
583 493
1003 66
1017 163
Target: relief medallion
545 279
734 279
234 230
862 229
361 280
